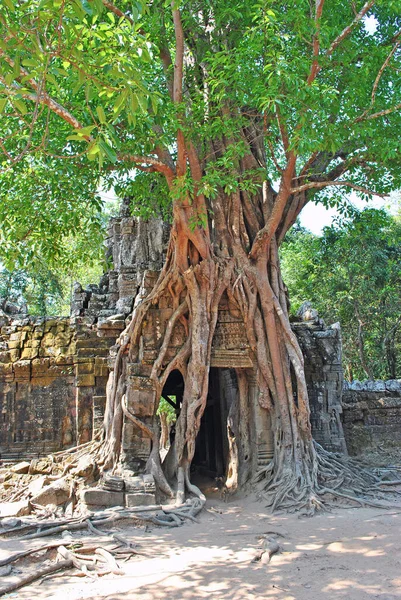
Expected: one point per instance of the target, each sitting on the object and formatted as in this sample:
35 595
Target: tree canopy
86 88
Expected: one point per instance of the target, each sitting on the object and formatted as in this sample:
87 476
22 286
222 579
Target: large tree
247 111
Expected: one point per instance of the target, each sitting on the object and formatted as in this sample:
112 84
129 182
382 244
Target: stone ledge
101 497
139 499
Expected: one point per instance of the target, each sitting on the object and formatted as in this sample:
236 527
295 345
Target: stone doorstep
139 499
102 497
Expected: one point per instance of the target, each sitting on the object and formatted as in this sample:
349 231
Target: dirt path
350 554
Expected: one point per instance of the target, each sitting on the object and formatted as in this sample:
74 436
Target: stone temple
54 371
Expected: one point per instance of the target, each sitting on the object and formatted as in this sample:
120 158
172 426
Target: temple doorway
209 464
211 450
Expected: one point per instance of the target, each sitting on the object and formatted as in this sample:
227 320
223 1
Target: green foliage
84 94
352 274
45 291
243 58
167 409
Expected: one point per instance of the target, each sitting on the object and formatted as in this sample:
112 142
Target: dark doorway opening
211 451
173 390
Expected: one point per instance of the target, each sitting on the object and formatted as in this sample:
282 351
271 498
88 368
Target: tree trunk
234 253
165 431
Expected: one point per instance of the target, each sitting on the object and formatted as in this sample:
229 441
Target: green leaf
108 151
9 4
101 114
20 106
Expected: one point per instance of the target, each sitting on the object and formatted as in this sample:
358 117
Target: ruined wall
53 375
53 372
321 347
372 417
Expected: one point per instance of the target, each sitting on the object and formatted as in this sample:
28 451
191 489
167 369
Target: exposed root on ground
332 479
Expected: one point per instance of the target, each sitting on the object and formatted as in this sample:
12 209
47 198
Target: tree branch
263 237
119 13
316 42
179 56
345 32
283 131
318 185
177 85
378 77
157 165
381 113
40 97
45 99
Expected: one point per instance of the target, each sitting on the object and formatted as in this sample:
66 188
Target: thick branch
318 185
158 165
177 86
264 236
179 55
44 99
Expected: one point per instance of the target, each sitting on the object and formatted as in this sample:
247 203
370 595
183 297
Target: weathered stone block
21 467
12 345
93 342
6 372
109 333
14 355
5 357
40 365
16 337
141 402
149 482
92 352
29 353
134 484
14 509
84 368
101 371
139 499
100 497
85 380
22 369
55 493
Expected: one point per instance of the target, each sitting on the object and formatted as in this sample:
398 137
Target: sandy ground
350 554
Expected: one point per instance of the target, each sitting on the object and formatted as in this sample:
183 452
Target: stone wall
53 375
372 416
53 372
321 347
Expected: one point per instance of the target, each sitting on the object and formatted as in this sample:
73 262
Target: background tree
222 99
167 418
352 274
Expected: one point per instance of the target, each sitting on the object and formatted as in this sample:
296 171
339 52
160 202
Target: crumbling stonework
321 347
53 375
53 372
372 416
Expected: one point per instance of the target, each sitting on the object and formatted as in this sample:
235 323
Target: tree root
27 579
333 475
269 547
